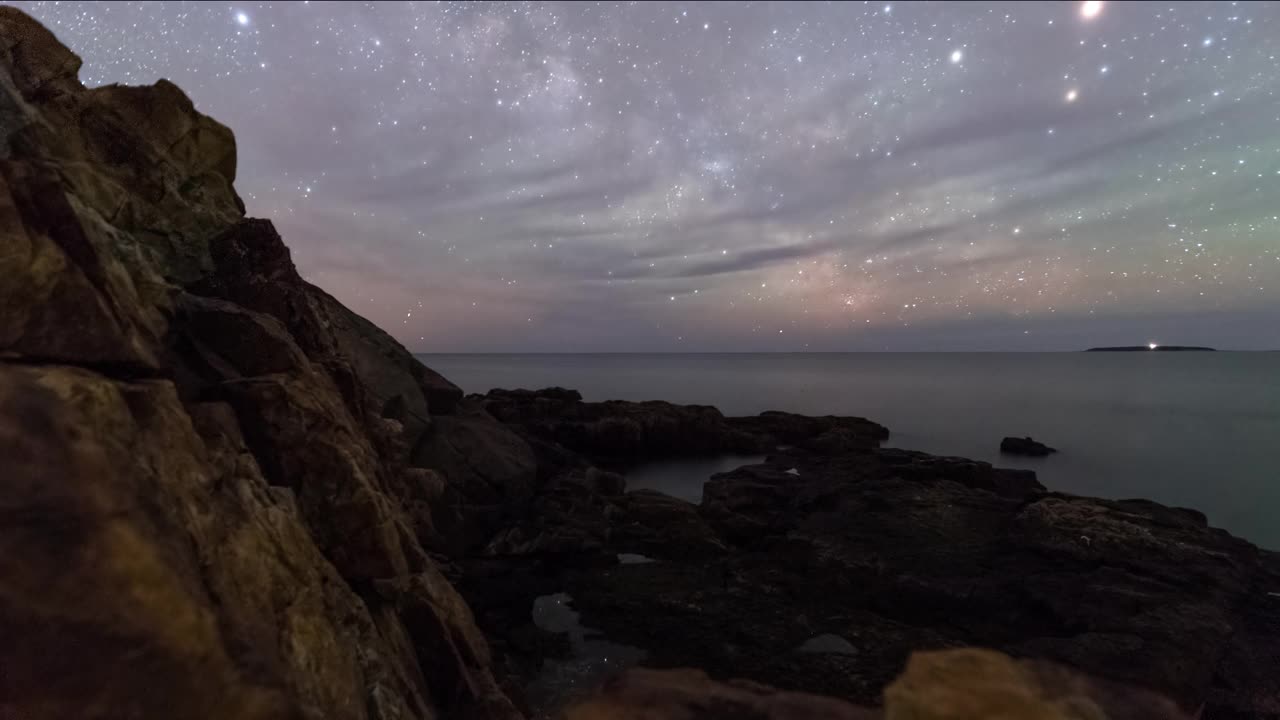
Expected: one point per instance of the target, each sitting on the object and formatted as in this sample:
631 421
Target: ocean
1199 430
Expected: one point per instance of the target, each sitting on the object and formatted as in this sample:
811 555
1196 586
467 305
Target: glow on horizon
1152 346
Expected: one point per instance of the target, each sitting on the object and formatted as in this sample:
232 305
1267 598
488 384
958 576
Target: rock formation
1025 446
223 494
887 551
208 500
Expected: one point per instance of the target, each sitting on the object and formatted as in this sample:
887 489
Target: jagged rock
440 626
202 506
234 342
302 438
252 267
1024 446
101 607
490 470
65 298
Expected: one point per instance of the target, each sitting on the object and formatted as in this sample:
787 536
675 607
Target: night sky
667 177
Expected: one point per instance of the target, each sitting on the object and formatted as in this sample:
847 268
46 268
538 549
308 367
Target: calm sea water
1195 429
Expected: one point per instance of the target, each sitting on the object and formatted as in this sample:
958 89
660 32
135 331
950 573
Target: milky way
600 177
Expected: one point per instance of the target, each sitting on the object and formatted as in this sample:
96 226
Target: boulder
975 683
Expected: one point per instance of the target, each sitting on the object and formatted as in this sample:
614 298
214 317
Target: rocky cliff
208 498
223 494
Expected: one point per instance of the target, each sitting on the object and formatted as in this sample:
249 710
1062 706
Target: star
581 166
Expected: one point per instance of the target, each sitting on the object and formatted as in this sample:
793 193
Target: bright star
956 57
242 18
1091 9
1072 94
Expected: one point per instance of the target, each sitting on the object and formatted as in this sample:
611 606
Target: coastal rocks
829 433
208 498
1025 446
618 430
891 551
900 551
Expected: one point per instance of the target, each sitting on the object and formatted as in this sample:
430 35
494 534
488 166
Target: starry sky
747 177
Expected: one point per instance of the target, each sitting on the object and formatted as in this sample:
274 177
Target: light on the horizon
1091 9
1152 346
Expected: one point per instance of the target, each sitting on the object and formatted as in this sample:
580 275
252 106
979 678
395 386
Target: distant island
1153 348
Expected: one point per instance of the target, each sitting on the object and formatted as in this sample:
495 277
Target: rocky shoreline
227 493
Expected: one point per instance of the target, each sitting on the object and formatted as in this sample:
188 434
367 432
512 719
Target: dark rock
659 526
929 552
692 695
1024 446
620 430
252 267
490 471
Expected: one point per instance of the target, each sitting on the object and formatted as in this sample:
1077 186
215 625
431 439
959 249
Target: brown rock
304 441
198 505
974 684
